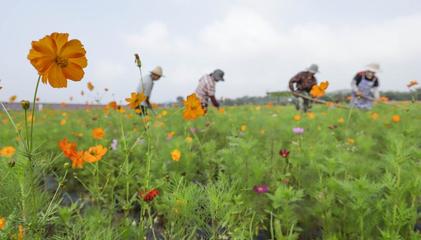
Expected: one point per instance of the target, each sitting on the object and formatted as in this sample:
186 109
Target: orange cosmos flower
383 99
112 105
193 108
98 133
297 117
77 159
2 223
90 86
412 83
330 104
94 154
63 122
176 155
396 118
21 232
68 148
135 99
57 59
318 91
7 152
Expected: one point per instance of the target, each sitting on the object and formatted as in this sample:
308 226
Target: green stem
126 159
33 116
26 130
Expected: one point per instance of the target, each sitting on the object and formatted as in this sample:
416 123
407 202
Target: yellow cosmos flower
12 98
135 99
341 120
7 152
2 223
374 116
21 232
243 128
350 141
188 139
57 59
90 86
311 115
297 117
176 155
193 108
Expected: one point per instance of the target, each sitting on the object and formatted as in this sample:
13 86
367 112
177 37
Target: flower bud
12 162
25 104
137 60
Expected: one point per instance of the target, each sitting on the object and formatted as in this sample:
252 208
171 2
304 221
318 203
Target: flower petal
56 77
60 39
45 46
81 61
73 72
72 49
42 64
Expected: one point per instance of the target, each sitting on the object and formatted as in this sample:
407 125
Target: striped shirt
206 88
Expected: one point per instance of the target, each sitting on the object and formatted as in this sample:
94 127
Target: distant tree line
285 97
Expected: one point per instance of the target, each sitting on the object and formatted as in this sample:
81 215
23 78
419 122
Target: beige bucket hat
373 67
157 71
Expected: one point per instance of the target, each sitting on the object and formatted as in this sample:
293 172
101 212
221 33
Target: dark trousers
143 110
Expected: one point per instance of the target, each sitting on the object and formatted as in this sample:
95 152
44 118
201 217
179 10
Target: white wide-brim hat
157 71
373 67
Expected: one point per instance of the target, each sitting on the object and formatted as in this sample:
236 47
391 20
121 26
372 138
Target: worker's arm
354 85
293 81
376 93
214 101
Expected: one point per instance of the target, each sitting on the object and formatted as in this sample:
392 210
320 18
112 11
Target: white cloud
259 54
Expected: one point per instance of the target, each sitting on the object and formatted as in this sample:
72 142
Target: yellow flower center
62 62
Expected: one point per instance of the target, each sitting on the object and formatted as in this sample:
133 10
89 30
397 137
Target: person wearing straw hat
365 87
146 86
206 88
301 84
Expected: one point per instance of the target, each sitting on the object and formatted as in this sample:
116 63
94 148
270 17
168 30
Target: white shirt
146 88
206 88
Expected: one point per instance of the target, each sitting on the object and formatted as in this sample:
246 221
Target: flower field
250 172
182 172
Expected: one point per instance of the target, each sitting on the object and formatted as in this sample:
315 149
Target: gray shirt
146 87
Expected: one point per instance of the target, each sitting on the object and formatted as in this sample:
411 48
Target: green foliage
352 179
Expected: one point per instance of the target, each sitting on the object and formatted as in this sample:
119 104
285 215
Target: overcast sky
259 44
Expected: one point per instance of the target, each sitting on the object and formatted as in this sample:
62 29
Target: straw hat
313 68
373 67
157 71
